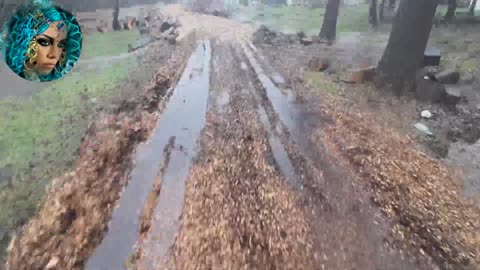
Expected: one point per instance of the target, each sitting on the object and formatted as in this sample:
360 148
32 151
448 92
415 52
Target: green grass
291 19
107 44
39 135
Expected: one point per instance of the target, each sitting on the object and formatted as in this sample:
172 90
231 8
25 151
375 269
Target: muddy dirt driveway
231 181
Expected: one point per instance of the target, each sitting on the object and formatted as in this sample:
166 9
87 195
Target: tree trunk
329 26
372 13
471 10
397 6
405 49
452 6
116 13
381 14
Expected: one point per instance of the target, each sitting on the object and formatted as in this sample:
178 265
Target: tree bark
381 14
329 25
471 10
405 50
372 13
116 12
452 6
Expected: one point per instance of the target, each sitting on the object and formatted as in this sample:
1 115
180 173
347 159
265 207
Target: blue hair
30 20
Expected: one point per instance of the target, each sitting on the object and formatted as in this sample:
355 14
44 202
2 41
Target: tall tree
372 13
452 7
329 25
471 8
116 12
381 14
405 49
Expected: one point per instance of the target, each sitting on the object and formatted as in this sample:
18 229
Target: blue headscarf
30 20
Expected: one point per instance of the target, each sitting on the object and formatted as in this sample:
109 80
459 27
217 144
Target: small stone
426 114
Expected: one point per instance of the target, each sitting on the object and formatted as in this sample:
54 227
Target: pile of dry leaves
413 189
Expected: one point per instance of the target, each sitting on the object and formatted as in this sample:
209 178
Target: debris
448 77
169 23
426 114
301 34
318 64
362 75
306 41
423 128
432 57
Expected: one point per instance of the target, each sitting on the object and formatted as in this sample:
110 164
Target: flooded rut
183 119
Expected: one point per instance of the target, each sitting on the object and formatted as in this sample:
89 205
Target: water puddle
283 104
278 150
183 119
166 215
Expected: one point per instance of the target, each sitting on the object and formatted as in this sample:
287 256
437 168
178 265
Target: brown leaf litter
413 189
239 213
74 216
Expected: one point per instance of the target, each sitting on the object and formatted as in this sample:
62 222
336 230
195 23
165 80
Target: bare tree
452 7
381 14
329 25
471 8
116 12
405 49
372 13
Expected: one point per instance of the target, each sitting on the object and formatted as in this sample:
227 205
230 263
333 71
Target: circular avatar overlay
41 41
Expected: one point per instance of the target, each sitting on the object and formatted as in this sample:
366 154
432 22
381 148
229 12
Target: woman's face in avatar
50 46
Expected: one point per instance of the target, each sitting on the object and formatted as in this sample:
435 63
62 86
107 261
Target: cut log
361 75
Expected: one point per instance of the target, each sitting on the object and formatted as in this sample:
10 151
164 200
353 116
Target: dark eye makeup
44 41
47 41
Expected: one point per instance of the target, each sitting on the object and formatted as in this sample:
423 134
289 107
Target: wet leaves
412 188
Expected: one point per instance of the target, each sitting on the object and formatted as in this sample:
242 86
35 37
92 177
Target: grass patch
40 134
291 19
108 44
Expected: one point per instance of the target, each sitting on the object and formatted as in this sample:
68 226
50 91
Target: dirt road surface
234 176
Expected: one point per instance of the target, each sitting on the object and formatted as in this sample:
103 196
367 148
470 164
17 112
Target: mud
190 99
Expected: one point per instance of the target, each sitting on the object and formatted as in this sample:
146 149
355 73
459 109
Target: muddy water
183 118
191 115
283 103
278 150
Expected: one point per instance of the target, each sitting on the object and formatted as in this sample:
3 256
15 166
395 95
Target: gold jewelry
32 51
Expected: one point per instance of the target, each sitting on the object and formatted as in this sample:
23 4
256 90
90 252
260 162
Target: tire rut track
239 211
